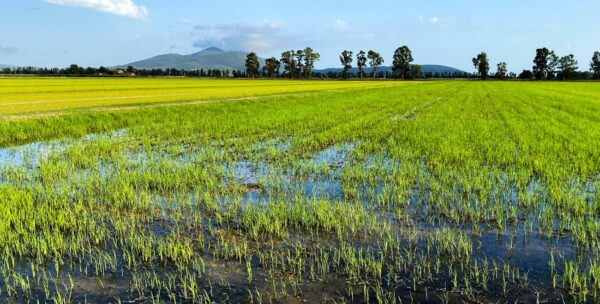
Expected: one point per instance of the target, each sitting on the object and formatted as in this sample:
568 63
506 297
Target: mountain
2 66
210 58
215 58
425 68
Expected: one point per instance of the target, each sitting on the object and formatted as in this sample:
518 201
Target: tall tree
482 65
402 59
375 61
595 65
567 66
415 71
252 65
544 63
346 60
272 66
73 69
361 63
502 70
310 57
299 58
288 59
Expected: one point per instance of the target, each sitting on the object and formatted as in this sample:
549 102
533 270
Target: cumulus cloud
7 50
259 37
126 8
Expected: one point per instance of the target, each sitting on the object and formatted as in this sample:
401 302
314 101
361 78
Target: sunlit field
47 95
336 192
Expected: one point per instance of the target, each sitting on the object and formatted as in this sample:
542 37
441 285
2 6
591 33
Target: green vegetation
482 65
46 96
437 191
300 64
402 60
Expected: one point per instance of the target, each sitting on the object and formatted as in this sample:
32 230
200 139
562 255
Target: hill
210 58
215 58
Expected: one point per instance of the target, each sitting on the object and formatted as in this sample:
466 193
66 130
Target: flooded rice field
460 203
185 223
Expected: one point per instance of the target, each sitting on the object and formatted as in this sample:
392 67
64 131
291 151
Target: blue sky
450 32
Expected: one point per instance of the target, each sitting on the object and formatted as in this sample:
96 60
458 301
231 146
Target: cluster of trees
372 58
546 65
300 63
75 70
401 66
295 63
71 70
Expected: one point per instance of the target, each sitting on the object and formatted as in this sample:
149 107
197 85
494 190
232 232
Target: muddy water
226 280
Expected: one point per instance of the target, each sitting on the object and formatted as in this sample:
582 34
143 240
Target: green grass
442 191
22 96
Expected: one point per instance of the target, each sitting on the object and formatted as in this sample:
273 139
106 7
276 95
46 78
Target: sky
56 33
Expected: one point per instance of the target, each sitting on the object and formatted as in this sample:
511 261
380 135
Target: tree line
293 64
75 70
547 65
297 64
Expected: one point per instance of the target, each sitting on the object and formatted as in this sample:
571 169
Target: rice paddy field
299 191
47 96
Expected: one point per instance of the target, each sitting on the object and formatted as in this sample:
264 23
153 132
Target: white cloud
434 19
259 37
124 8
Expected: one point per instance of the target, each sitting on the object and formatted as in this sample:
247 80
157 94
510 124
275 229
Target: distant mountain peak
209 58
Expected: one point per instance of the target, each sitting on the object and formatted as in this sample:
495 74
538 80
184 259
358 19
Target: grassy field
51 95
437 192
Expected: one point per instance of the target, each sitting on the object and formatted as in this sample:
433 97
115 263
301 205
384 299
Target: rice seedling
449 191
